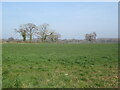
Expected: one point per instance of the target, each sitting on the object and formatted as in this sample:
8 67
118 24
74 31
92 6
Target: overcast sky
71 19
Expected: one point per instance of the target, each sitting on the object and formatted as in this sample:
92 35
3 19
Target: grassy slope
0 66
60 65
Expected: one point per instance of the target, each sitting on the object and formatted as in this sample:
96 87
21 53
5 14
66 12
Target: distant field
60 65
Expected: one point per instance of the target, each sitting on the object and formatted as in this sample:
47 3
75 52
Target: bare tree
54 36
10 39
43 32
22 32
30 29
27 30
91 37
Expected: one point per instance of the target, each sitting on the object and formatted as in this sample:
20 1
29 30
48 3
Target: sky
71 19
0 20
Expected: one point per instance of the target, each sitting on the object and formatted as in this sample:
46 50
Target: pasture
60 65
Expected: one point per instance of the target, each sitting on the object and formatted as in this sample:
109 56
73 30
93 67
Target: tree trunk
30 34
24 38
30 37
42 39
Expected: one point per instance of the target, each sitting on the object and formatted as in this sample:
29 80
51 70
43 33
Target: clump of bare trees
91 37
42 32
27 30
10 39
53 36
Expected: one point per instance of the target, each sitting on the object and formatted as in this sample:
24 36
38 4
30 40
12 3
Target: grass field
60 65
0 66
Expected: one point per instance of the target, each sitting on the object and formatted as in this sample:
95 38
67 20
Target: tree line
42 32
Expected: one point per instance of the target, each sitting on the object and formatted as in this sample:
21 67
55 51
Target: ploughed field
60 65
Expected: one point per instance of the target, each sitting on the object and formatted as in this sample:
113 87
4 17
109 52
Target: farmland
60 65
0 66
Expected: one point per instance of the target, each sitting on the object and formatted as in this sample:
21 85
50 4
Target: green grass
0 66
60 65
